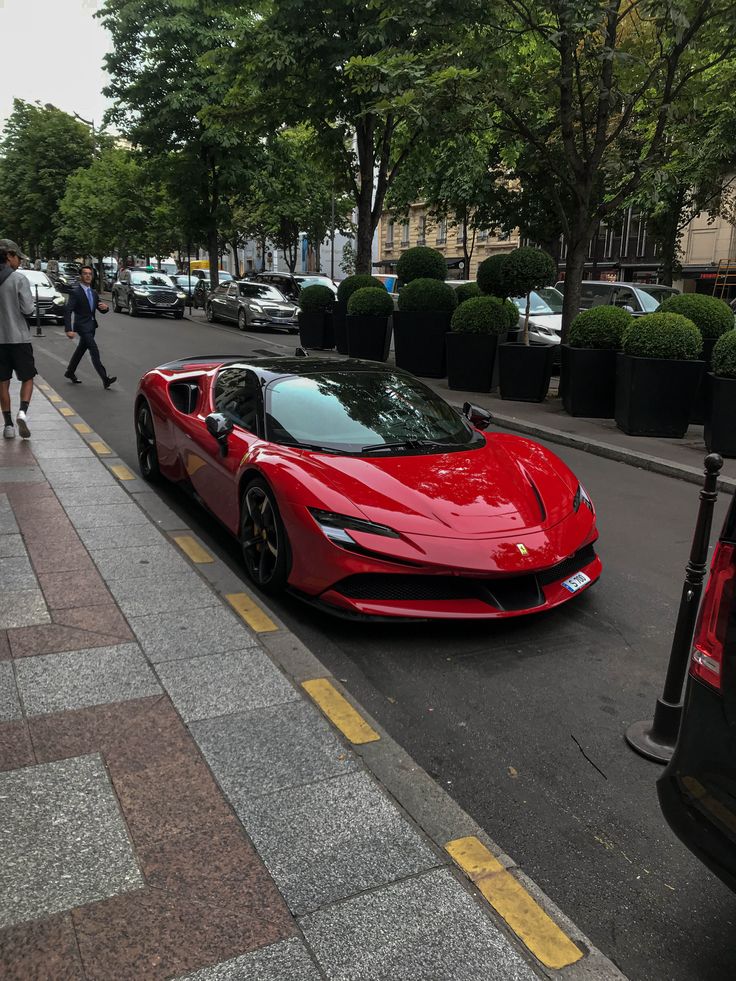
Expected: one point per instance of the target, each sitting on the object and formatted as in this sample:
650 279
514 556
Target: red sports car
358 488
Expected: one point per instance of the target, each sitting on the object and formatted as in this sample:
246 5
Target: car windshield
316 281
544 301
38 278
150 279
261 291
651 296
70 267
365 413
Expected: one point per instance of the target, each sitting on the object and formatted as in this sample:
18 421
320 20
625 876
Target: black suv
697 791
139 291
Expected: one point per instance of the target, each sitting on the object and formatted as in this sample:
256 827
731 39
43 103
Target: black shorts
17 358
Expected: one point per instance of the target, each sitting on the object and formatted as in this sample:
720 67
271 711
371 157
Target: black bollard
655 739
39 332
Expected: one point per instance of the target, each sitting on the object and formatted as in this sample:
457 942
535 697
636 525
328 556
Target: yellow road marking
43 387
66 411
339 711
55 398
100 448
82 427
508 897
122 472
195 551
253 615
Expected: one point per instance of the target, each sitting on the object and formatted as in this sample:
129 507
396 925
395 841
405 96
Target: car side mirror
219 426
476 416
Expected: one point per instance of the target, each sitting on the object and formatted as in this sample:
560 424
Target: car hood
466 494
551 320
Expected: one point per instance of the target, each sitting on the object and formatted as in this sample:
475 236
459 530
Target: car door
218 301
625 298
231 301
124 284
236 394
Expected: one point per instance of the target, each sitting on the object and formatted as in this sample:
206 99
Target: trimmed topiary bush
426 296
421 262
512 312
600 328
491 276
358 282
370 302
662 335
724 355
481 315
710 315
316 299
466 291
527 269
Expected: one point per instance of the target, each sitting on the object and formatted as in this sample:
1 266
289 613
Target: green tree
367 79
163 79
590 88
41 147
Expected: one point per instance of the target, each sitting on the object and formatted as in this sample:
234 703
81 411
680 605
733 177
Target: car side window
626 298
232 290
237 395
222 289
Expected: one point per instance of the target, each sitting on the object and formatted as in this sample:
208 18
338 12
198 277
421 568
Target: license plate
576 582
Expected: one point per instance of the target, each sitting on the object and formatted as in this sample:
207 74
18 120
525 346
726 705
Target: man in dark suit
82 305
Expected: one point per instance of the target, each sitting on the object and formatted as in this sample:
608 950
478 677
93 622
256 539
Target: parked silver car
51 301
635 298
545 316
251 304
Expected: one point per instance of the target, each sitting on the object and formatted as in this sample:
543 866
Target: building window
404 234
460 234
483 235
641 238
442 232
421 230
390 233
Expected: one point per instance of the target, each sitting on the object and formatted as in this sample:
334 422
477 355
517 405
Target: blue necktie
90 300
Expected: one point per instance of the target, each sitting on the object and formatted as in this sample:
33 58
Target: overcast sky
52 51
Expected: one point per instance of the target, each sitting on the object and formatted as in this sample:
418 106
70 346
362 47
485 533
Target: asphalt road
522 722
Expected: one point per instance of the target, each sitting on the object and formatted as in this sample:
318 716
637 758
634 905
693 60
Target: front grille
162 298
508 593
278 314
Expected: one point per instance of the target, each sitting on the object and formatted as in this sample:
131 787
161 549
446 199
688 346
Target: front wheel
210 314
116 308
242 320
263 538
179 315
145 439
132 308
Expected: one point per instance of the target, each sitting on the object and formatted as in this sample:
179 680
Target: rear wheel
145 439
263 538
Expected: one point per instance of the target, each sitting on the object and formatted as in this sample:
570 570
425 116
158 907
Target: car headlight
581 497
181 296
256 308
59 300
336 527
140 293
539 329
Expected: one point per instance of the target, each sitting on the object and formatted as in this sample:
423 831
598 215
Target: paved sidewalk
172 804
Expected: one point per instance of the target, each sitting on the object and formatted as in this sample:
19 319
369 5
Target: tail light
710 632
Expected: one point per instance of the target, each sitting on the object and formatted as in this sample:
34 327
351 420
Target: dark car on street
203 288
291 284
67 277
697 790
138 291
252 305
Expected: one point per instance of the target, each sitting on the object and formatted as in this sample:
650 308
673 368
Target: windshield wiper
310 446
406 444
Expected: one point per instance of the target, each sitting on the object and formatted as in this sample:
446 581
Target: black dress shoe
72 378
110 381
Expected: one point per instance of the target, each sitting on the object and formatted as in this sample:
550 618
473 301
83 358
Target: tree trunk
364 234
576 253
213 254
236 257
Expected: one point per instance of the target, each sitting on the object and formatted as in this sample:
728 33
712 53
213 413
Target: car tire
210 314
116 308
263 539
145 443
242 320
132 308
179 315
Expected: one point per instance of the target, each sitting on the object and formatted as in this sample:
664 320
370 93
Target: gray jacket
16 303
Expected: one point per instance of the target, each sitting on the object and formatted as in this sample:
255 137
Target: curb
427 805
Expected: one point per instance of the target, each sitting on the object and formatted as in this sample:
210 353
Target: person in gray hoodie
16 349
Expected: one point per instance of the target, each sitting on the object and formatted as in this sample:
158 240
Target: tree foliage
40 148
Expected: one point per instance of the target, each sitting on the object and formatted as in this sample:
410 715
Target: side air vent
184 396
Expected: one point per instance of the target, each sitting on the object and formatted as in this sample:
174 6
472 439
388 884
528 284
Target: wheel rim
145 441
260 536
210 314
241 320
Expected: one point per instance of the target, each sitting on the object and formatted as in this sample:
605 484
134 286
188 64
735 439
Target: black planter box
419 342
720 425
588 382
339 327
524 372
368 337
315 330
470 359
655 396
700 408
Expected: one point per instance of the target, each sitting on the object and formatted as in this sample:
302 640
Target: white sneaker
9 432
23 429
